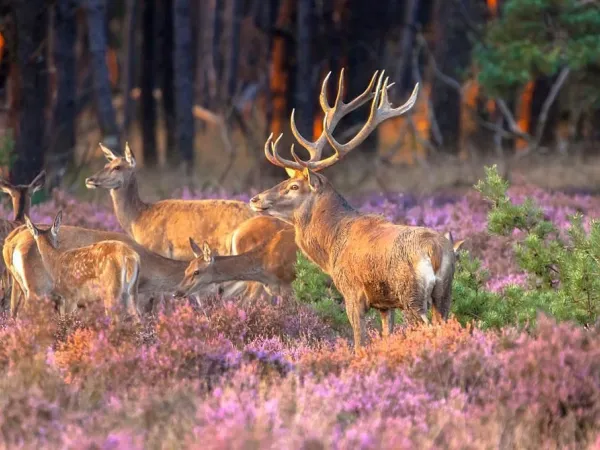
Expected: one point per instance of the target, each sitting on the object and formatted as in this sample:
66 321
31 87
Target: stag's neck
244 267
50 256
127 204
320 226
21 206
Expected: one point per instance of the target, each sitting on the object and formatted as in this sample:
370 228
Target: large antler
333 115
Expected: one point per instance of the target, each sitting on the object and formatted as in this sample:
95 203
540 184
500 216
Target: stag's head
21 194
50 234
199 272
305 183
116 173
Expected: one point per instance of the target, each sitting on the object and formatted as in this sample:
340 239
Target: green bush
565 270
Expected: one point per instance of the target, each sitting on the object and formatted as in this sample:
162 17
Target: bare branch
556 87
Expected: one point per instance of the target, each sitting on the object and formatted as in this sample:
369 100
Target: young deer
109 270
271 263
164 227
21 200
373 263
158 275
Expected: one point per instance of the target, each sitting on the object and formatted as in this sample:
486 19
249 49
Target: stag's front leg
356 315
387 322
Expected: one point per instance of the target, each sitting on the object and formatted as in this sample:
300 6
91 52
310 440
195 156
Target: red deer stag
373 263
107 270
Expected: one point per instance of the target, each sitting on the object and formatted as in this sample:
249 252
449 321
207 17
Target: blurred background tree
198 85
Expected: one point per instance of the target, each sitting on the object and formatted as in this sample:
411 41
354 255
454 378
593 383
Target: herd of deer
246 249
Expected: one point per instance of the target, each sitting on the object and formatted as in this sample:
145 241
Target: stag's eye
294 187
196 273
116 168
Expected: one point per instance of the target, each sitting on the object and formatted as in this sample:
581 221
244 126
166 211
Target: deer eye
196 273
116 168
294 187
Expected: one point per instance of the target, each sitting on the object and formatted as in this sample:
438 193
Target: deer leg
442 300
387 321
16 297
355 309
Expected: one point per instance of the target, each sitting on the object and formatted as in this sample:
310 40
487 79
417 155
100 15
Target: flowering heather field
275 375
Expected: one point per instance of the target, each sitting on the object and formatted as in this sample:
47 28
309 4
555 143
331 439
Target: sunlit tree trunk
183 80
62 138
32 25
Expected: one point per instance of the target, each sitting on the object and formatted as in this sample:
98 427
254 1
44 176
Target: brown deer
20 196
20 254
373 263
107 270
165 226
271 263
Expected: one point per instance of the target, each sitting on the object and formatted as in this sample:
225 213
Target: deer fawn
107 269
21 200
271 263
373 263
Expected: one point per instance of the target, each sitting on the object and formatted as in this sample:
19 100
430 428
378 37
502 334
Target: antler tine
273 155
381 110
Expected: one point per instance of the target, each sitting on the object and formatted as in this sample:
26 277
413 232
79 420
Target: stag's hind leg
387 321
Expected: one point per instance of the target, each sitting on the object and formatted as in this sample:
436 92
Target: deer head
305 184
50 235
198 272
116 173
21 194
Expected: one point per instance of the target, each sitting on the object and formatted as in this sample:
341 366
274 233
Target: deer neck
244 267
49 256
21 207
127 204
319 227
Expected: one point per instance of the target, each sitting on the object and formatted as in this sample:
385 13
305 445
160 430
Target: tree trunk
541 89
184 92
147 102
166 82
403 69
217 53
304 98
235 17
32 30
452 55
62 140
97 41
129 71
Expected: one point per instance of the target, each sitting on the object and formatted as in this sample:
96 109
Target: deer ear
448 236
292 173
34 231
129 155
5 186
314 181
207 252
57 223
195 249
108 153
458 245
38 182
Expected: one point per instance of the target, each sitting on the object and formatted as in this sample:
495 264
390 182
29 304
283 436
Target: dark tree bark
541 90
403 69
147 102
304 98
96 20
235 11
166 71
184 92
452 54
216 43
128 78
62 140
32 29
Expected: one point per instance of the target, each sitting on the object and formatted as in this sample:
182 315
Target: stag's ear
38 182
56 224
129 155
195 249
448 236
5 186
292 173
458 245
32 228
314 181
207 252
108 153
